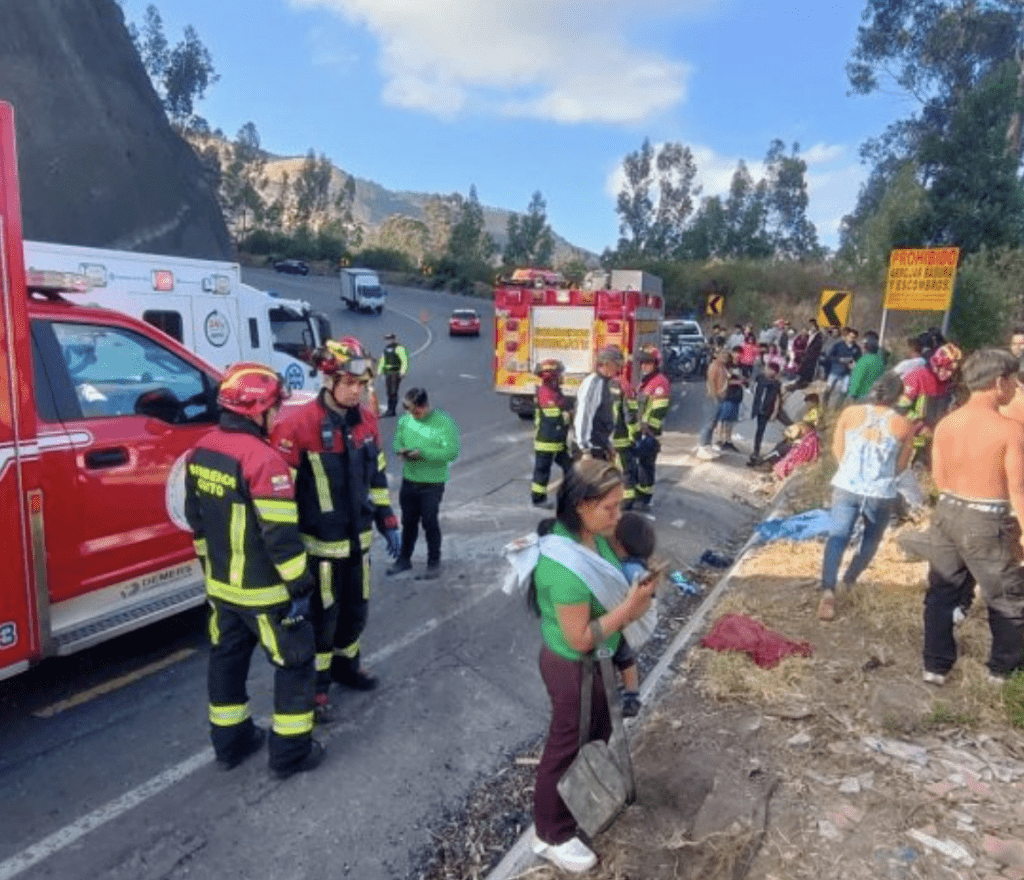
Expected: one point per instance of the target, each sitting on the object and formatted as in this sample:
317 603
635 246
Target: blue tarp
800 527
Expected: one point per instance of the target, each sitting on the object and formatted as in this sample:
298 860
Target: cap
610 353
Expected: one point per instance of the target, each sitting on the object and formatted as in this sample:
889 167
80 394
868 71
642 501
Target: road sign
921 279
835 308
715 304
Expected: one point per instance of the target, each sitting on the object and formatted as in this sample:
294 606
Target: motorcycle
686 361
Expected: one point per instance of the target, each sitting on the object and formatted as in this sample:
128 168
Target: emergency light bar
52 281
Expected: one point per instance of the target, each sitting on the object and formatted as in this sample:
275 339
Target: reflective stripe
200 546
366 539
268 638
323 486
382 462
293 725
628 493
547 446
292 569
213 624
538 489
380 497
327 549
622 442
277 511
323 661
349 653
248 597
237 529
552 412
326 583
228 716
366 577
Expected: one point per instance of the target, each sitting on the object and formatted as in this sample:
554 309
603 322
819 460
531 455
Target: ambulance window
119 372
169 322
254 334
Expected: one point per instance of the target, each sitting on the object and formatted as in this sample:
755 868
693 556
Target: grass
1013 699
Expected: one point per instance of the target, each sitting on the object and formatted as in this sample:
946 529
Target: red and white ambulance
536 316
97 411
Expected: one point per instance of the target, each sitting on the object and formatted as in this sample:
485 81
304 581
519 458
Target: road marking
112 685
70 834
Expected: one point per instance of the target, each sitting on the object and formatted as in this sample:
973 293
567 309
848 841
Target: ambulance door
131 409
218 335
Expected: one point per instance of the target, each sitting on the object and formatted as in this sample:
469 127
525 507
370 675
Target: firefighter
394 364
654 394
240 505
624 411
552 414
341 486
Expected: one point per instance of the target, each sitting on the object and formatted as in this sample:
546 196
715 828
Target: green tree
311 189
652 225
793 235
243 181
530 240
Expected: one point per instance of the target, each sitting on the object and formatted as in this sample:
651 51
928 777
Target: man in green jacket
427 440
867 369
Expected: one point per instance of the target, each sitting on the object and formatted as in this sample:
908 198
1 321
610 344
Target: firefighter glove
297 613
394 539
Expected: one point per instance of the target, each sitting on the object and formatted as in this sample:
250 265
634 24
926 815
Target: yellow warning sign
921 279
715 304
834 310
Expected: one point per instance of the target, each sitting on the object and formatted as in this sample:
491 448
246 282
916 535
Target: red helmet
649 354
345 355
550 367
946 357
250 389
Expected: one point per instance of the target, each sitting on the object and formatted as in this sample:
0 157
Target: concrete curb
521 858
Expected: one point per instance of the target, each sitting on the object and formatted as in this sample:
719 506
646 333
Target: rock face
99 163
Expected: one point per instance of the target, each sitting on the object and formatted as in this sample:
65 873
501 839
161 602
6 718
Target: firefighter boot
312 760
251 744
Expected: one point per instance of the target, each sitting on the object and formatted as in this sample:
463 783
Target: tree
469 243
530 240
180 75
793 235
746 216
243 181
652 226
311 189
406 234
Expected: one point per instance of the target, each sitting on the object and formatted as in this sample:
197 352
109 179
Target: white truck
203 304
361 290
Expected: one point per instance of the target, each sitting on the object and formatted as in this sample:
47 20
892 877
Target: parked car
292 267
464 322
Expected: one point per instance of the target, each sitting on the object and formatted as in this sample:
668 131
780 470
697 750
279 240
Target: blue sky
550 95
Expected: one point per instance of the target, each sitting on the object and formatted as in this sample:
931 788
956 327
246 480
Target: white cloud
561 60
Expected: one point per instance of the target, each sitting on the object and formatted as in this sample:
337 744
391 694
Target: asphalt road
105 768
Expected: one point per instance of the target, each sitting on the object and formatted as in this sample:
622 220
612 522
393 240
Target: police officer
341 486
393 365
552 412
654 394
240 505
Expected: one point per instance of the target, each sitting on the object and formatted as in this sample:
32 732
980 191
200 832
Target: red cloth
737 632
807 450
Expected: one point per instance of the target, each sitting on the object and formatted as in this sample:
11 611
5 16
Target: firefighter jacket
394 359
551 417
624 413
654 395
240 505
341 485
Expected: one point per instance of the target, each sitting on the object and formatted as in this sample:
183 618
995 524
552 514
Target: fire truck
97 412
536 316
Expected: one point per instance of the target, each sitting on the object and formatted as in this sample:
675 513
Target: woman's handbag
599 783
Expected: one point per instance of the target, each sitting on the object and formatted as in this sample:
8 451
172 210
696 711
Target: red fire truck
537 317
97 411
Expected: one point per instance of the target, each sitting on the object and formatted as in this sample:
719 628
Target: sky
516 96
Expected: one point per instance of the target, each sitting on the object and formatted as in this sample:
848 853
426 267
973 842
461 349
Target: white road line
70 834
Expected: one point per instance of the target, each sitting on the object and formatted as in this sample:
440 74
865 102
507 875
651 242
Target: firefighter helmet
250 389
649 354
946 357
550 367
345 355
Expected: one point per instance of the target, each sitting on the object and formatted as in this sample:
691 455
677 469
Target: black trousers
644 468
762 423
542 462
391 383
340 608
421 503
234 634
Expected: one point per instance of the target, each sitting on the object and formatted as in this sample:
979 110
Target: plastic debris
799 527
685 584
948 848
715 560
894 748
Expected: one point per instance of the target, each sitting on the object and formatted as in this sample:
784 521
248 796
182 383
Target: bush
384 260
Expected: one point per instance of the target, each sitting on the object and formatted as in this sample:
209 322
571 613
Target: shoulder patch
281 483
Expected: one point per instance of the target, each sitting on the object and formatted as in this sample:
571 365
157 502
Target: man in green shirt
869 366
427 440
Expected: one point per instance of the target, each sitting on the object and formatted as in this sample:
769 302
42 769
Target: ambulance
97 412
536 316
201 303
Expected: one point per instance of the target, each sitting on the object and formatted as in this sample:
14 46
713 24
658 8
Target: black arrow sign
828 309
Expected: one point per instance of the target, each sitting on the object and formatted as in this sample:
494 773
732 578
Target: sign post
920 279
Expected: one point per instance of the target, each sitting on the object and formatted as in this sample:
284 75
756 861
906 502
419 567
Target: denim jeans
709 427
847 508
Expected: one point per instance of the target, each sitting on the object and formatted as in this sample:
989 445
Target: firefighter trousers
542 462
234 634
626 461
340 607
644 469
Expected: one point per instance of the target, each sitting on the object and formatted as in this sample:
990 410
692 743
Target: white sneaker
706 453
573 856
936 678
958 616
716 447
